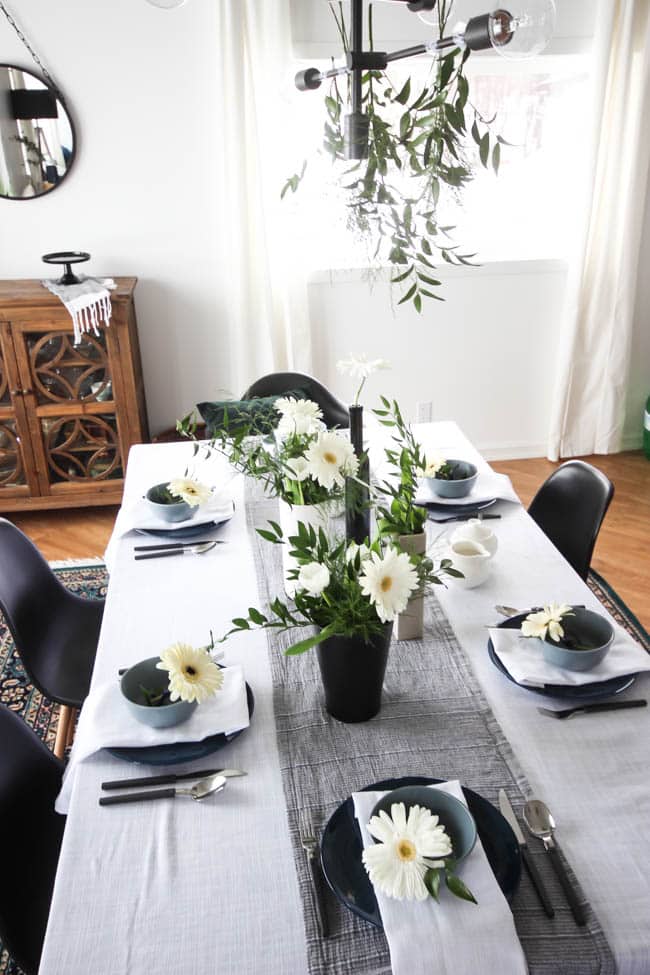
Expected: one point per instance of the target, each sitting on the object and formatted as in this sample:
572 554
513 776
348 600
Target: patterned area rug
18 694
91 580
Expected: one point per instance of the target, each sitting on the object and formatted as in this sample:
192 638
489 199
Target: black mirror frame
73 151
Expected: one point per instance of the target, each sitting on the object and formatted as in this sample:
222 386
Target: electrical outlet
424 412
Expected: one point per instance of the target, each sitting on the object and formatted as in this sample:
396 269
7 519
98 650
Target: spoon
541 824
199 549
200 790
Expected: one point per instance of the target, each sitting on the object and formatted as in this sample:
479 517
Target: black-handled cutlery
541 824
509 814
171 777
200 790
166 545
310 846
195 549
472 514
593 707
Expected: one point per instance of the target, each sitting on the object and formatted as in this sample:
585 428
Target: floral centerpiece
178 499
351 593
399 516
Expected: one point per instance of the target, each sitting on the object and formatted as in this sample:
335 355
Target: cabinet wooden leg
62 731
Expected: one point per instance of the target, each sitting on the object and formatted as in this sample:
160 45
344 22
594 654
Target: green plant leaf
458 888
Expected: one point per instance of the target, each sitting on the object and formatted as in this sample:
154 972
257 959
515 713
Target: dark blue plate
574 692
341 848
192 531
181 751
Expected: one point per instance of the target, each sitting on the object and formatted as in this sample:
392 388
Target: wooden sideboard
68 414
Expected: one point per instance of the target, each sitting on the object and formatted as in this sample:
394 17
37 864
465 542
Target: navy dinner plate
574 692
181 751
341 848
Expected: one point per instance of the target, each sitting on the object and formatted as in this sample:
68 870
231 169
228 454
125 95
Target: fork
309 844
587 708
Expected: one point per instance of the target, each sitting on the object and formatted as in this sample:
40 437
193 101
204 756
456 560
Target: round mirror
37 140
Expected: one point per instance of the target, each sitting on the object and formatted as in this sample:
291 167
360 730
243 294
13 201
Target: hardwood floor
622 552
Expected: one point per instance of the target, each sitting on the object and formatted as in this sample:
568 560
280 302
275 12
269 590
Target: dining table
223 885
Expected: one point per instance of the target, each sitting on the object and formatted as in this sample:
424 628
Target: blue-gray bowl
464 480
146 674
588 637
452 813
169 511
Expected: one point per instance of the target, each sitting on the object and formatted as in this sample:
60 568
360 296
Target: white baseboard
511 451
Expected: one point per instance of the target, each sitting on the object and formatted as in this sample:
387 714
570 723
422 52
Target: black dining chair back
30 838
335 413
55 631
570 507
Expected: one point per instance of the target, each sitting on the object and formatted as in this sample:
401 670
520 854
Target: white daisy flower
359 367
299 416
193 674
189 490
547 620
314 577
398 863
388 580
297 469
331 459
433 465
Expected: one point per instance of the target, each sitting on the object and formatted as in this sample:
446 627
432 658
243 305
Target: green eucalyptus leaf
458 888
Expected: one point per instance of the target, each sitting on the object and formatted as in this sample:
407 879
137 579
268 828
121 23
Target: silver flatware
507 611
160 548
590 708
200 790
509 814
228 773
471 514
541 824
199 549
310 846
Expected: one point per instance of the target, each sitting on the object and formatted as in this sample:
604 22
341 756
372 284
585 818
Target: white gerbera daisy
433 465
314 577
331 458
353 548
398 863
359 367
548 620
299 416
388 580
193 674
189 491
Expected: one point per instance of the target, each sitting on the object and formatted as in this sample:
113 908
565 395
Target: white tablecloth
211 887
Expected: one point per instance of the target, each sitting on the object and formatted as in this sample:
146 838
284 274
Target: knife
509 815
471 514
171 777
161 548
590 708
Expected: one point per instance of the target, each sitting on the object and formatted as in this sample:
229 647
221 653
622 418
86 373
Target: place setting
567 652
452 489
166 710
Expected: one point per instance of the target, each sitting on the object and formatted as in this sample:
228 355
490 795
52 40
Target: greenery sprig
400 515
422 134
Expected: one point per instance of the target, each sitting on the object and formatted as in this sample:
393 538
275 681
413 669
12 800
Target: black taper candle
357 508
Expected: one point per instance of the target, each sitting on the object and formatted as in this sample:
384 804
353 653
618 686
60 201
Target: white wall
143 198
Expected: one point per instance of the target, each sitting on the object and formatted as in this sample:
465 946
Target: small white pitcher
476 530
472 559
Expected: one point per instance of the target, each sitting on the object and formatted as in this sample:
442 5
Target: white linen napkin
523 659
488 485
88 301
106 722
451 936
140 515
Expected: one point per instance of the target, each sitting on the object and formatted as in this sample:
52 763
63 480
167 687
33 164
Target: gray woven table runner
434 722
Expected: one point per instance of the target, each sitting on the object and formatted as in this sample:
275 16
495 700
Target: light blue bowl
175 511
146 674
460 487
586 629
452 813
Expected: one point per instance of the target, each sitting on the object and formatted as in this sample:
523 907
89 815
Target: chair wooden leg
71 727
62 731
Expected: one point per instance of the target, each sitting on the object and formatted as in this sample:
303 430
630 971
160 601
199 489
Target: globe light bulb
521 29
167 4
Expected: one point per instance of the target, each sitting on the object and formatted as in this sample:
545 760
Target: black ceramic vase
357 508
353 674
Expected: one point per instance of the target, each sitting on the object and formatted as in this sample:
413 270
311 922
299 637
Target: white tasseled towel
89 303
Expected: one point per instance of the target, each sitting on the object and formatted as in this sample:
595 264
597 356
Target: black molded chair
30 839
335 414
55 632
570 507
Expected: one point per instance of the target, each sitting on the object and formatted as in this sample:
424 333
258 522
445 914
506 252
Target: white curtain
595 353
265 304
